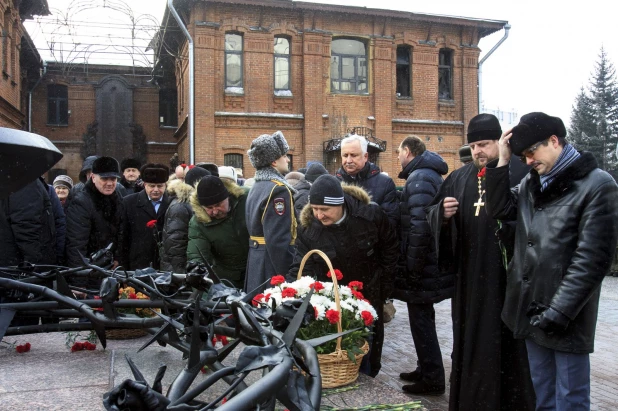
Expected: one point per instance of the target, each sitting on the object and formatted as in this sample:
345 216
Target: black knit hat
211 191
533 128
195 174
106 167
326 190
130 163
154 173
465 154
314 171
484 127
267 148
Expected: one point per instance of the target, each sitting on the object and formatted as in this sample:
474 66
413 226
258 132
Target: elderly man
218 230
271 221
566 214
94 214
356 169
144 216
130 175
357 236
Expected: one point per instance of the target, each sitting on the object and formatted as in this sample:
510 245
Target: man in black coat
143 220
419 281
130 175
566 215
359 240
93 215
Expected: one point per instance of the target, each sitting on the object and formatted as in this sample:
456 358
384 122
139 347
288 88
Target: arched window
233 60
282 63
445 75
348 66
57 104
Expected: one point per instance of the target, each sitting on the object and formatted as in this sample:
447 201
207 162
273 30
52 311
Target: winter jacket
419 280
224 243
176 227
27 229
93 222
380 187
564 243
301 198
60 223
363 247
139 244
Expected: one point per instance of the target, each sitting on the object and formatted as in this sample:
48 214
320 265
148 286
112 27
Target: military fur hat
154 173
130 163
267 148
106 167
484 127
533 128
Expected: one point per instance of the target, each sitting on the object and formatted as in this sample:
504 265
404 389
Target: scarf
565 159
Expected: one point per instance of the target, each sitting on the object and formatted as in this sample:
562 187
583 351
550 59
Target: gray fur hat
267 148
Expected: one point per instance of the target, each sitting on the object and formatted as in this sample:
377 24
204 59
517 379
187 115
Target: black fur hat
484 127
154 173
533 128
267 148
106 167
130 163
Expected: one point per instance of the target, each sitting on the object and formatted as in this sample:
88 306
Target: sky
549 55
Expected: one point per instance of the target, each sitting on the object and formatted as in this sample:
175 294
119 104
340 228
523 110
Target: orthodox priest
490 368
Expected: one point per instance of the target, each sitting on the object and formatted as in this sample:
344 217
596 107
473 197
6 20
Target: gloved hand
551 321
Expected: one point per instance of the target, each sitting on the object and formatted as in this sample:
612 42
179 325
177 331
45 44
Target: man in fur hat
566 214
356 233
141 239
130 175
270 211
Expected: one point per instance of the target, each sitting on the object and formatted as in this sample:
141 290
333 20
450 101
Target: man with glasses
566 214
489 367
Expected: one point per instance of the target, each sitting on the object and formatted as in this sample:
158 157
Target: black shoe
422 388
411 376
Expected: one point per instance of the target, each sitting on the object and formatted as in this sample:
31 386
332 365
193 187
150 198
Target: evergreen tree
583 126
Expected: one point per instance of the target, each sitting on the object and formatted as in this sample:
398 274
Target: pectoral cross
478 205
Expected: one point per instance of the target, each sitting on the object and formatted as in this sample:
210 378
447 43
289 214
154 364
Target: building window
233 60
282 63
348 66
404 71
168 108
233 160
57 104
445 75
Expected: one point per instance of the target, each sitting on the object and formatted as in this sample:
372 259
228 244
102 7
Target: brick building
317 72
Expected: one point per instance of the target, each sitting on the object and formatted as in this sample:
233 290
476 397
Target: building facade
318 72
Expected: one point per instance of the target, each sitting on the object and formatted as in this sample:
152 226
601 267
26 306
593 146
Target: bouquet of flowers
130 294
354 310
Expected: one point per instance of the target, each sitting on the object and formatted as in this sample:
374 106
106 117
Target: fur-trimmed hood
202 216
180 190
354 196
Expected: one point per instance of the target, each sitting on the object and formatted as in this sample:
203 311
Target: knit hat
211 191
63 180
86 166
195 174
130 163
228 172
314 171
267 148
294 177
211 167
327 191
106 167
484 127
154 173
465 154
533 128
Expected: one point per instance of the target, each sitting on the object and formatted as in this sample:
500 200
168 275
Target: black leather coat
564 245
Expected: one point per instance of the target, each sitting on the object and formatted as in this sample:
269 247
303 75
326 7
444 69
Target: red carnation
224 400
183 165
332 316
482 172
276 280
317 286
89 346
96 297
23 348
204 369
192 166
356 285
77 347
358 295
367 318
267 298
214 340
223 339
288 292
338 275
132 296
257 299
151 224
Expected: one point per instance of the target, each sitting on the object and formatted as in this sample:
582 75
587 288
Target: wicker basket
336 368
124 333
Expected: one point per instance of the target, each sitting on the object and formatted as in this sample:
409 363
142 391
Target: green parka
222 243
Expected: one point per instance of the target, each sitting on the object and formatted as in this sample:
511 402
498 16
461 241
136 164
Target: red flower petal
356 285
367 317
317 286
288 292
151 224
276 280
257 299
332 316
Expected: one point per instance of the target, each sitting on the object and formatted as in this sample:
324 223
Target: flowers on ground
22 348
129 293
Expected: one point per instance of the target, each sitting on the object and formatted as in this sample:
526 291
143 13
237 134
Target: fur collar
353 195
202 216
269 173
563 181
180 190
107 205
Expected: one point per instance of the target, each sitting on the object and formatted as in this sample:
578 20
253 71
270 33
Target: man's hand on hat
504 148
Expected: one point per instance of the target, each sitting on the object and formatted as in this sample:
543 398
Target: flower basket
336 368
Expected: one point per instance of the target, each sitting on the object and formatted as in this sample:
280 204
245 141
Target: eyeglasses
528 153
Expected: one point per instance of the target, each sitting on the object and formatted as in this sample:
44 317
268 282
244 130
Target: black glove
551 321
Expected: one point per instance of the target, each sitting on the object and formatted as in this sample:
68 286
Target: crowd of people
519 243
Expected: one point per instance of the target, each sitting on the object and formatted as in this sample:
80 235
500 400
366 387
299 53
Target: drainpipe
507 27
191 82
30 96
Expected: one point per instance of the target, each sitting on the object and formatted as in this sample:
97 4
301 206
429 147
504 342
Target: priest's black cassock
490 368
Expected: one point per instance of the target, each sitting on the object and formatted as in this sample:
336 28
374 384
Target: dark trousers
423 326
372 362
